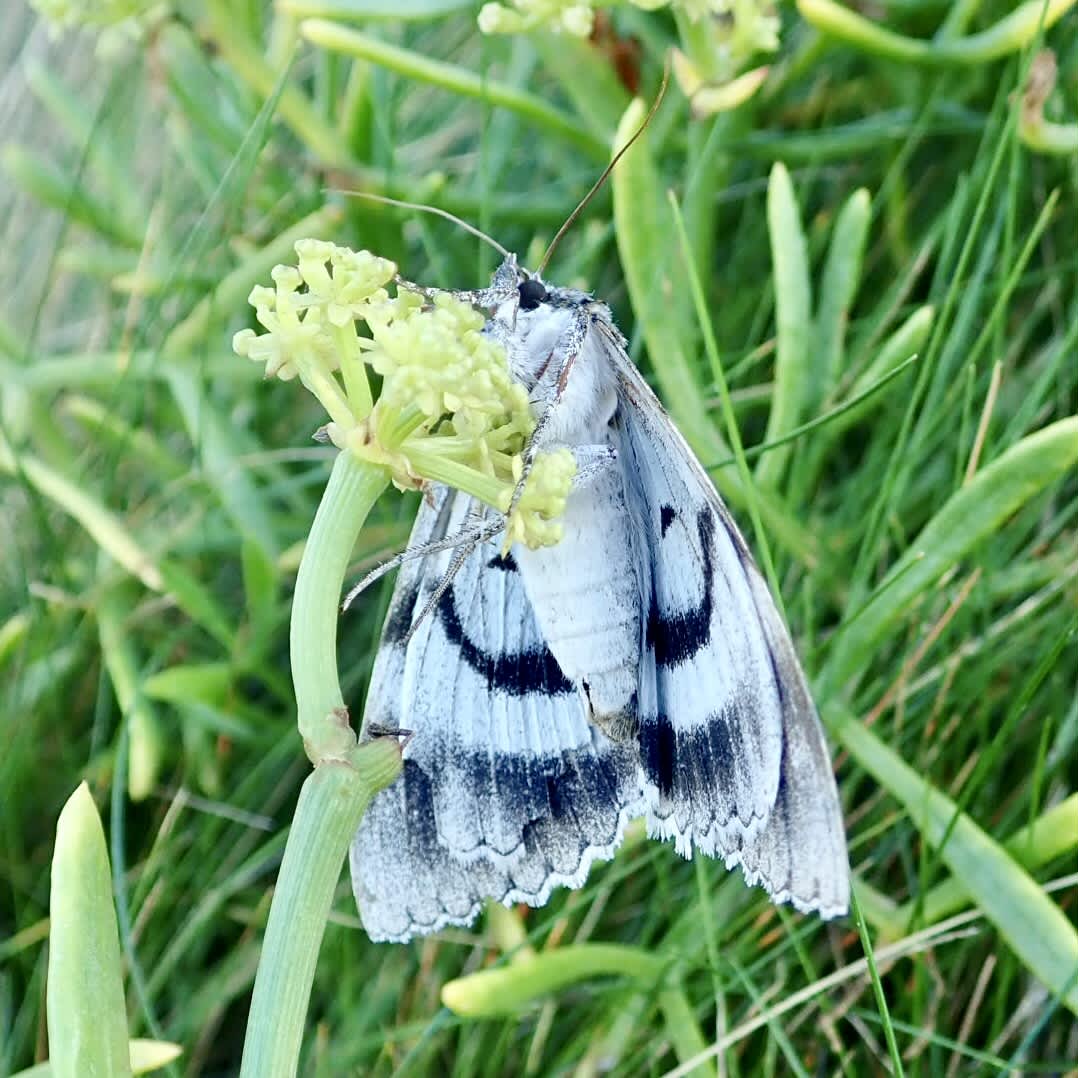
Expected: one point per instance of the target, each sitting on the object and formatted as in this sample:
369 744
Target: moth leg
376 730
468 537
592 463
554 378
501 288
478 297
455 565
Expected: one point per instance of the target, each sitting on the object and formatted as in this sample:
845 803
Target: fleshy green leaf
146 1056
87 1017
793 317
1027 918
510 988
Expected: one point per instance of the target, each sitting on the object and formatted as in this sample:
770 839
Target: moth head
514 292
511 284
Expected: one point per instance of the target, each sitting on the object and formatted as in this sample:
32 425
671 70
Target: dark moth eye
532 293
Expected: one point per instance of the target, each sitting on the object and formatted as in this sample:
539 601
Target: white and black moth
637 668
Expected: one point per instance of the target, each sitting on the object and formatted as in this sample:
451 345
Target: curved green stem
334 797
1010 34
353 488
331 804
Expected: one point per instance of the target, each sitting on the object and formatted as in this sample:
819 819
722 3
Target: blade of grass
877 988
145 743
86 1012
841 277
1053 834
833 416
53 187
727 404
220 446
1030 922
107 530
973 513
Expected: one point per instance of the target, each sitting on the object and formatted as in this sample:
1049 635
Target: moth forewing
750 780
637 668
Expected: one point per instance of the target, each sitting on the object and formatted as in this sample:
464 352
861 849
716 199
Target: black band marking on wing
667 516
657 740
516 673
568 802
399 619
705 761
678 636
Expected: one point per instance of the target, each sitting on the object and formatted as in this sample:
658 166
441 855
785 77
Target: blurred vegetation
880 208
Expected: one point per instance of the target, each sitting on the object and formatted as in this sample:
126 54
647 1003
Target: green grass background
154 494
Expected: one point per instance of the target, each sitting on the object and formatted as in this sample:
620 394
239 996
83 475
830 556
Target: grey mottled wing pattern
507 791
733 753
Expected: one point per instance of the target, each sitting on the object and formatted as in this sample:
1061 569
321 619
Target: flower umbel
735 29
559 16
718 37
120 24
449 409
534 518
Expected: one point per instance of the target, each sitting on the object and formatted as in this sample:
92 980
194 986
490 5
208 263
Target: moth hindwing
637 668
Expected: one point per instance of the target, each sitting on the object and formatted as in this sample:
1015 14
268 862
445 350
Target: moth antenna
583 203
421 208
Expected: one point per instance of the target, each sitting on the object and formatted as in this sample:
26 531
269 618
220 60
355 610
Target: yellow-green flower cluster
547 486
710 66
95 13
719 38
557 15
741 27
449 409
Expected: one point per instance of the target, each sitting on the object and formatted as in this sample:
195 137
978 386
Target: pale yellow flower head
719 39
557 16
449 409
120 25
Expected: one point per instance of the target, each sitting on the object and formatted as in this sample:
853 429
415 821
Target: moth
638 668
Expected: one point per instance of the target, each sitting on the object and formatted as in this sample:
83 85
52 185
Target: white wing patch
507 790
711 718
733 752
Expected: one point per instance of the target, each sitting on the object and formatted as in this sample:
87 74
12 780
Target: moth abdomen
622 724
